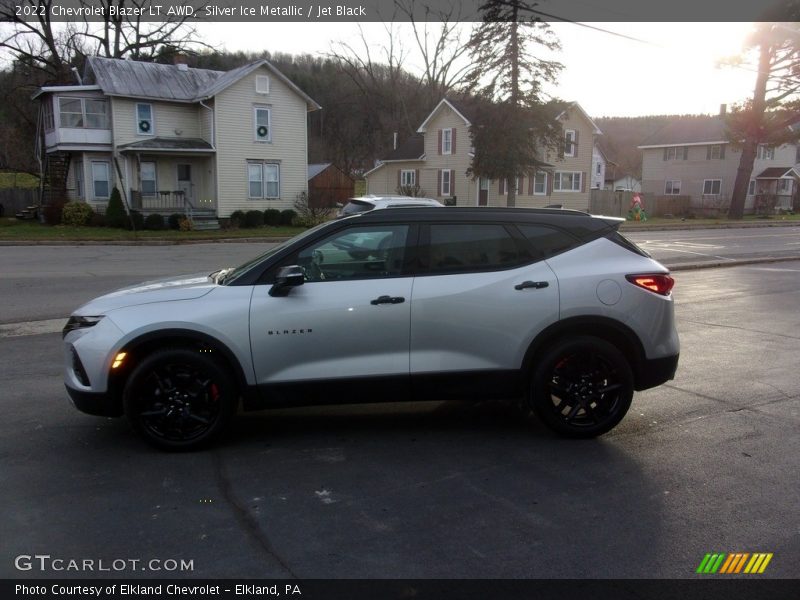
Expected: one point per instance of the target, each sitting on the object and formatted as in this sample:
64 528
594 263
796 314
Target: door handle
537 285
388 300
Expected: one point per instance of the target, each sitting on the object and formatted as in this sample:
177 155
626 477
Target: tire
582 387
179 399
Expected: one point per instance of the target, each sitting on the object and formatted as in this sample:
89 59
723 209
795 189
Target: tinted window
354 253
547 241
457 248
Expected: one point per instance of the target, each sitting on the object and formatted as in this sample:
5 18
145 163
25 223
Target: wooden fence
617 204
14 200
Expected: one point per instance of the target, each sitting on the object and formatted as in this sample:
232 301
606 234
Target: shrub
97 220
307 215
76 214
236 219
253 219
272 217
174 220
287 216
154 221
115 211
134 221
185 224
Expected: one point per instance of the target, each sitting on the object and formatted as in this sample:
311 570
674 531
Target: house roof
167 144
137 79
453 105
563 107
774 172
411 149
316 169
688 130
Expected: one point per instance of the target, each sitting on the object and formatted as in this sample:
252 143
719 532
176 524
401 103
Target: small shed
328 185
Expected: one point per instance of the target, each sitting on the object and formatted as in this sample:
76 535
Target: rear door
479 300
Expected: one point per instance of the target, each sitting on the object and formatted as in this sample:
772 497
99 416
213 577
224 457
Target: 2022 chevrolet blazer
551 306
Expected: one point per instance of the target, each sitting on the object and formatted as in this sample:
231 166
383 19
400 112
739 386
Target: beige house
176 139
437 157
691 156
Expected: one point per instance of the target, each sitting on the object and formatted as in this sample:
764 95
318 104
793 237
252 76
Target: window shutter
399 180
440 141
549 188
416 176
453 141
665 154
708 152
531 177
439 174
575 144
685 153
502 189
453 178
722 151
583 181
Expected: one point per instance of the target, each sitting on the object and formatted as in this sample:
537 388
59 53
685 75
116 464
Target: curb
264 240
731 263
692 227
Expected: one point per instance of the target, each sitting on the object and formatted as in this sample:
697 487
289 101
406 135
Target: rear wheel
582 387
179 398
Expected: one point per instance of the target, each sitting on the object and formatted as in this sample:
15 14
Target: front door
343 335
483 191
185 181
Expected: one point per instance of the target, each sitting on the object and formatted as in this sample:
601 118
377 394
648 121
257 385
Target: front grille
77 367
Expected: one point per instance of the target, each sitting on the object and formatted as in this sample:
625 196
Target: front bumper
655 371
94 403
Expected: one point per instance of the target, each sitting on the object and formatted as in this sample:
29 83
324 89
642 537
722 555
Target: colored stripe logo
734 563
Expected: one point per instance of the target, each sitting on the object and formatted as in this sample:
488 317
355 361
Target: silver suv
367 203
552 306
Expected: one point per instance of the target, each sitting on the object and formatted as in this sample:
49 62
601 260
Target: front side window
540 183
148 178
447 141
672 187
712 187
370 252
263 180
565 181
262 124
101 184
144 119
470 247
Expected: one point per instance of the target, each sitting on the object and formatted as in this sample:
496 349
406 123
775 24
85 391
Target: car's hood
186 287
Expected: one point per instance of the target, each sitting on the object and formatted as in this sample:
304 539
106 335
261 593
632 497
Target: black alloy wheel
179 399
582 387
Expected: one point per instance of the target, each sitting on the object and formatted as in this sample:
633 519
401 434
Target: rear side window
547 241
620 239
470 247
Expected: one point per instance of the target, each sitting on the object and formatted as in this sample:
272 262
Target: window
599 167
100 180
570 142
784 186
547 241
71 110
446 180
408 177
711 187
262 84
263 180
79 179
144 119
672 187
566 181
96 112
765 152
459 248
262 124
47 115
356 253
518 182
751 187
447 141
676 153
147 176
715 152
540 183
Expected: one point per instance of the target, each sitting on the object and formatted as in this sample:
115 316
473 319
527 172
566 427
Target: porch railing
162 201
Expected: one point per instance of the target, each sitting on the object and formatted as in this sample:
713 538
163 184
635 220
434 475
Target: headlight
74 323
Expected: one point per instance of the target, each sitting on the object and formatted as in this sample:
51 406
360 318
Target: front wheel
582 387
179 398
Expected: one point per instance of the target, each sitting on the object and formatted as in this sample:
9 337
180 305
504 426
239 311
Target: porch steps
204 220
28 214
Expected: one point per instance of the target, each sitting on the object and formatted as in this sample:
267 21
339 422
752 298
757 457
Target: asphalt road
707 463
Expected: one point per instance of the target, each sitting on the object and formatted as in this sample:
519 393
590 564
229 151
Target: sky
673 70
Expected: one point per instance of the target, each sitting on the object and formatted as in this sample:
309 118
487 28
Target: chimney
394 142
723 108
181 61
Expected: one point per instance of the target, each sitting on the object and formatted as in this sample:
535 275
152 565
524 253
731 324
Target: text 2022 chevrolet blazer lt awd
552 306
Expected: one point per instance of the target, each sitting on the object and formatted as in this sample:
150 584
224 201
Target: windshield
237 272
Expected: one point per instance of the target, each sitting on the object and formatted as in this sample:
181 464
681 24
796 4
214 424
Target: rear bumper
93 403
656 371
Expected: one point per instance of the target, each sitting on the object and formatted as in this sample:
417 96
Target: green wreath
262 131
144 125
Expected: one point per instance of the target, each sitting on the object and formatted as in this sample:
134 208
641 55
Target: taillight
658 283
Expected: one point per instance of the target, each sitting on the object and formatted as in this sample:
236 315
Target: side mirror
288 277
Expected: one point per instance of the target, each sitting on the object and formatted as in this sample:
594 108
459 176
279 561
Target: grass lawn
13 230
705 222
19 180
